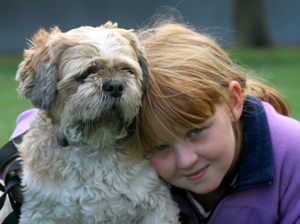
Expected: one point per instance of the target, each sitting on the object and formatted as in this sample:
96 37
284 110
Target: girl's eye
161 147
196 131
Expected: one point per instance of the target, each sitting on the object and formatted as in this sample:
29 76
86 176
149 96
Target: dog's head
85 79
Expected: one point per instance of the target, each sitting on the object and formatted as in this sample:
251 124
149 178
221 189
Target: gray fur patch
144 66
43 93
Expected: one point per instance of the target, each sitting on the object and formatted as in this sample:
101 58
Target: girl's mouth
197 174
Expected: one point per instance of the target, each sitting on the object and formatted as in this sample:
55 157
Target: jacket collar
256 158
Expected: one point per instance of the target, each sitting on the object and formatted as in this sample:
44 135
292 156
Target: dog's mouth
110 119
107 116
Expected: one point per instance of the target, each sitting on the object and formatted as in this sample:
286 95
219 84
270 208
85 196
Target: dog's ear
37 72
140 54
145 69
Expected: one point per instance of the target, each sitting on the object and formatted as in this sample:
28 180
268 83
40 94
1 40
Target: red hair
189 74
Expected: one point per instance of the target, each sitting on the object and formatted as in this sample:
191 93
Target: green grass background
280 65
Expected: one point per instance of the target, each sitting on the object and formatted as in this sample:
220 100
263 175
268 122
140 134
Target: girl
221 140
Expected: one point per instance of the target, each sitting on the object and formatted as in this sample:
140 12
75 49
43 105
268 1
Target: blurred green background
279 65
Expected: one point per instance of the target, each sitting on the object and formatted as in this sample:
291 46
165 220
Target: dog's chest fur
90 185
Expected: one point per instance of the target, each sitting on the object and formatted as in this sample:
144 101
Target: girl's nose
186 157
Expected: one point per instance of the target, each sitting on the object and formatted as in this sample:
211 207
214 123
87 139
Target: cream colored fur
91 179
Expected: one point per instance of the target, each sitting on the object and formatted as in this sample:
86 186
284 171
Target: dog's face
85 79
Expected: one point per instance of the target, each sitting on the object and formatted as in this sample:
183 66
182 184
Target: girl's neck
210 200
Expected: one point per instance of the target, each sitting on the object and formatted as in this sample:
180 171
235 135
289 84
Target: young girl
221 140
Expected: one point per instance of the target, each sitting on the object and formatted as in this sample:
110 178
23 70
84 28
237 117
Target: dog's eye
85 74
128 70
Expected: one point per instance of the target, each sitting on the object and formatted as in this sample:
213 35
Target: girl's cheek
160 164
156 162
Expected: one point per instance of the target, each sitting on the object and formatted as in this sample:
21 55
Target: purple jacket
267 189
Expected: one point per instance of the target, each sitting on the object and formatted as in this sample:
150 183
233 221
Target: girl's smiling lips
197 174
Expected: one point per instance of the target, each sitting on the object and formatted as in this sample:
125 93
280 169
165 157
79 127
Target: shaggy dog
87 84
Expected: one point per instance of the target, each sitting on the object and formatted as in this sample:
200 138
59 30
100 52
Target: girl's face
197 159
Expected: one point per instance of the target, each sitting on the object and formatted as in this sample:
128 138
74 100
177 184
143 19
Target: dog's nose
113 88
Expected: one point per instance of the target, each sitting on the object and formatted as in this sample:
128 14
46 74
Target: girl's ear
235 99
